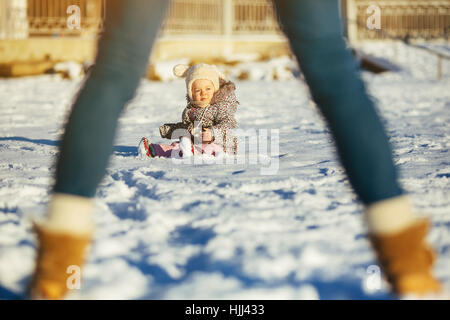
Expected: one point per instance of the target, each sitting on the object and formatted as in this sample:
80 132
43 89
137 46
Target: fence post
227 17
93 9
2 19
351 15
93 15
227 31
14 22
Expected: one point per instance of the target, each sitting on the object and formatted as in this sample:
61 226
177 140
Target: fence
255 16
13 19
184 17
49 17
399 19
193 17
226 17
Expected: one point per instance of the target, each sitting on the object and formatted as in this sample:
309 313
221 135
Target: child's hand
206 135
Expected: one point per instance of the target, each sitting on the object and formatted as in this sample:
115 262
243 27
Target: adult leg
123 51
314 31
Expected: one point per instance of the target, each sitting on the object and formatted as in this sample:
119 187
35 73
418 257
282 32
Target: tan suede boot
407 260
56 252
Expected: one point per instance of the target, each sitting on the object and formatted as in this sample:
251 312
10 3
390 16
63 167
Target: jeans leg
123 50
314 31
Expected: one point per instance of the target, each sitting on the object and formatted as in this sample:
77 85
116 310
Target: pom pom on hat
198 71
180 70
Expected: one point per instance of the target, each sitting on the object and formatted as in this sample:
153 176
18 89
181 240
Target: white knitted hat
198 71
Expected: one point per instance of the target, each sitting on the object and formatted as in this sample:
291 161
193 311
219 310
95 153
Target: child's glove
167 129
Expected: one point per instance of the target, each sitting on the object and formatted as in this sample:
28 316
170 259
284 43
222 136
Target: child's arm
167 129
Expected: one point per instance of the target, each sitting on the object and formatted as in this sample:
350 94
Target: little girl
206 122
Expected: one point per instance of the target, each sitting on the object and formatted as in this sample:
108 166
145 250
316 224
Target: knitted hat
198 71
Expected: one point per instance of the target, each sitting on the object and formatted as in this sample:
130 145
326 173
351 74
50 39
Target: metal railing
184 17
414 18
223 17
193 17
255 16
426 19
49 17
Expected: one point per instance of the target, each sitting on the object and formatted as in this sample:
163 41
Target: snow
71 69
415 62
172 230
246 67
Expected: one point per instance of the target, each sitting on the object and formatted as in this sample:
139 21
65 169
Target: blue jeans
314 30
123 52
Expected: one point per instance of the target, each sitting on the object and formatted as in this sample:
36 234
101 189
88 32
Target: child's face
202 92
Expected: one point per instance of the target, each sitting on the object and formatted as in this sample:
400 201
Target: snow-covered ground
167 230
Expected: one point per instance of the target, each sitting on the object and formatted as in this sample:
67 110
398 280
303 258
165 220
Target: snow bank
242 67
